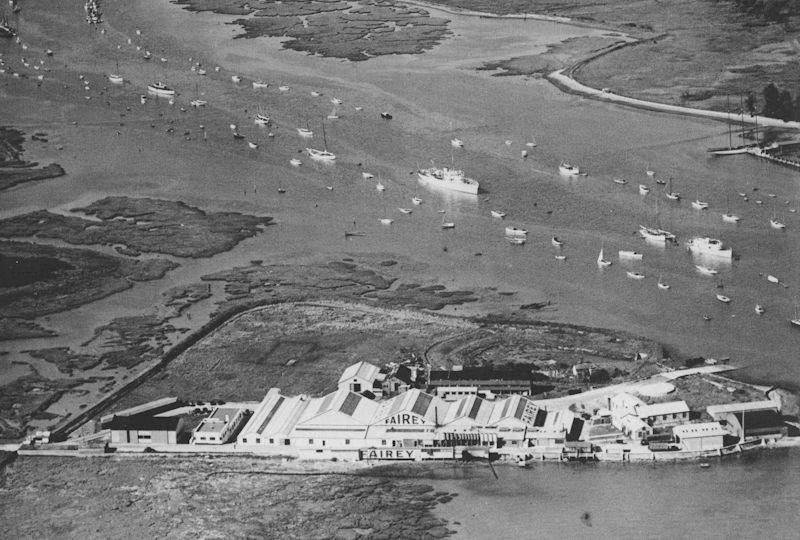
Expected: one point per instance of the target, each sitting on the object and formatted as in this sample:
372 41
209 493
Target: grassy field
692 52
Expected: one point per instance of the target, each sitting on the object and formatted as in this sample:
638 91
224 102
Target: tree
785 106
771 100
750 103
797 107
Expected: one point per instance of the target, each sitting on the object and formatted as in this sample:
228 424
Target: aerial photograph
399 269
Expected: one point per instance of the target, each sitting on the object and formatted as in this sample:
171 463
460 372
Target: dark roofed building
400 380
499 381
145 429
757 424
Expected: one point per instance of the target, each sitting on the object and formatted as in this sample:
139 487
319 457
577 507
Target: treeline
778 103
772 10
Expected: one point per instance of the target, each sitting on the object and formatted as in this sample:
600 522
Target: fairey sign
405 419
388 453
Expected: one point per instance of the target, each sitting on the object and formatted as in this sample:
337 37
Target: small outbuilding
362 376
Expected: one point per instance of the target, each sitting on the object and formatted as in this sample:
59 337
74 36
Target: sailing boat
672 195
385 221
260 118
115 78
601 261
662 285
447 224
775 224
253 144
334 114
322 155
197 102
160 88
730 150
305 132
728 217
657 235
796 320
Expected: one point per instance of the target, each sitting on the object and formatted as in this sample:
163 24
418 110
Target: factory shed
702 436
145 429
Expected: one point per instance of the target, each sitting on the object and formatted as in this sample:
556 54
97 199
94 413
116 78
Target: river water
437 96
434 97
751 496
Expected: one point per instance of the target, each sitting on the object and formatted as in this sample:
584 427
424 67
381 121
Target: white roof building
274 418
362 376
704 429
624 402
716 411
661 409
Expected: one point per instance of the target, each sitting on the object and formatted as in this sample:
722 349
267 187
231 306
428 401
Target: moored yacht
568 170
730 218
699 205
658 236
601 261
321 155
447 178
260 84
703 245
514 231
498 214
160 89
775 224
261 119
706 270
632 255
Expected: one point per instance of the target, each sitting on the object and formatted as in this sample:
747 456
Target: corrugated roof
271 413
361 370
421 404
704 429
350 404
766 405
476 406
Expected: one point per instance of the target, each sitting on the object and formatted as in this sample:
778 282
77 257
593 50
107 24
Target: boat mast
728 106
324 139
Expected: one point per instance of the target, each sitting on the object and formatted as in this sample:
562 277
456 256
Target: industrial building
344 420
218 427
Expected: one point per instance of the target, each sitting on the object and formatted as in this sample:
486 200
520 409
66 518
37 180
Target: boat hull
462 185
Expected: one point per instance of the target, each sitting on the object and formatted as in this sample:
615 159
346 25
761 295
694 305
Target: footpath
563 80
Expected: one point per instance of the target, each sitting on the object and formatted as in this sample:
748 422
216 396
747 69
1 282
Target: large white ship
446 178
708 246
